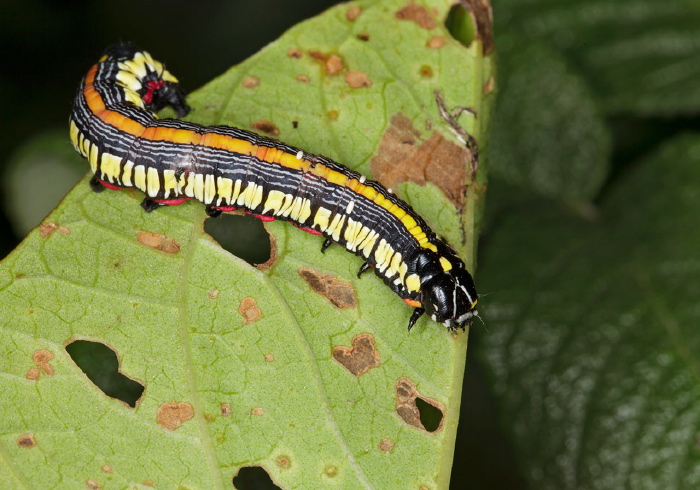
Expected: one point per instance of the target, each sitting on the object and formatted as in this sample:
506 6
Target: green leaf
549 136
593 341
639 56
243 366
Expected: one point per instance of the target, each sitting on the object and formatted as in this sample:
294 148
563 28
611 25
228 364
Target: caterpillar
114 126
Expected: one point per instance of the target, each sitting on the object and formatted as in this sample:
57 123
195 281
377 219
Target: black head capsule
447 291
450 298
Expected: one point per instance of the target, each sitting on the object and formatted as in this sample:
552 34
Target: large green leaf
245 366
639 56
593 341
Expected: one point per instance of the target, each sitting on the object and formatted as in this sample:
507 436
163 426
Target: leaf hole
430 415
460 24
242 235
101 365
253 478
469 20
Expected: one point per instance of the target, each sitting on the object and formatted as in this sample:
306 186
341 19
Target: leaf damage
283 461
250 82
358 79
158 241
353 13
482 17
26 441
105 374
340 294
385 445
267 127
249 310
406 408
404 156
273 253
359 359
418 14
41 358
171 415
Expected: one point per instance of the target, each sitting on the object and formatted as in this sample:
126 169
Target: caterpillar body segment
114 126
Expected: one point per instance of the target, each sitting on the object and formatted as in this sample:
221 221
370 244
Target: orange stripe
229 144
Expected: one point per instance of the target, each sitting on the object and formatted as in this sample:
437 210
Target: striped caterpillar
113 126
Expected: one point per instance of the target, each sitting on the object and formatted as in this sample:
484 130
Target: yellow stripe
153 182
140 177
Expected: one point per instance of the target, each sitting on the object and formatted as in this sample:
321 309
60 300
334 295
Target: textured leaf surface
242 366
593 332
549 136
640 56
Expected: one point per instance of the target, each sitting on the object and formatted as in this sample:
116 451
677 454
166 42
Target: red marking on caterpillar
173 202
112 186
151 87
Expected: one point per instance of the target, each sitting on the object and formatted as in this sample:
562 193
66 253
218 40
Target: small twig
467 139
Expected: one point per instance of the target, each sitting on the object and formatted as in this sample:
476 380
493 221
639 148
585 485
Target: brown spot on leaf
417 14
406 394
436 42
353 13
340 294
26 441
333 114
295 53
92 484
158 241
63 230
317 55
302 78
267 127
33 374
251 82
269 357
149 483
489 85
47 368
41 358
283 461
334 64
363 36
47 229
331 471
403 156
225 409
257 411
426 71
213 294
361 358
171 415
386 445
249 310
357 79
107 469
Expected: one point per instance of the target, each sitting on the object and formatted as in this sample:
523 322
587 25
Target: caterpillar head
450 298
447 292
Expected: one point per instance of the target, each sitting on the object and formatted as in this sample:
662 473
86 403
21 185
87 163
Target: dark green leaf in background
593 344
